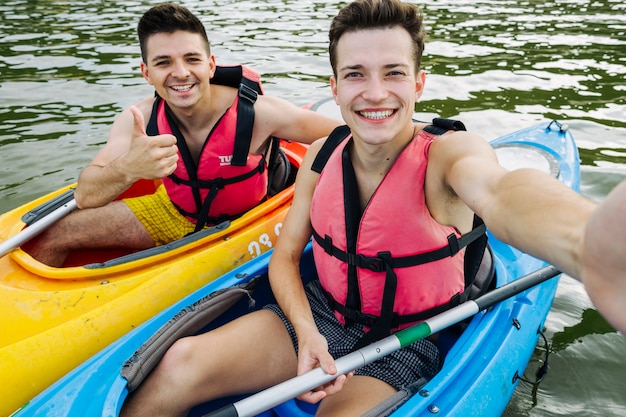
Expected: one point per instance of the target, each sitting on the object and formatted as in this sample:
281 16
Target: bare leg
110 226
245 355
359 395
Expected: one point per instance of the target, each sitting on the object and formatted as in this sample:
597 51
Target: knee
179 358
166 390
186 374
190 363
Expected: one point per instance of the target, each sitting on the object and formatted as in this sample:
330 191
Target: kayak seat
484 282
281 174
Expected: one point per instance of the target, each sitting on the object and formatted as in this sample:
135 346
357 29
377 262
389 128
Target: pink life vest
226 181
380 268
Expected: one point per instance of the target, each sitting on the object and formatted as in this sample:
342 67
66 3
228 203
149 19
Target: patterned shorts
157 213
401 368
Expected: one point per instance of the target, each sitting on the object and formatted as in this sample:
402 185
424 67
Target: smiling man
184 135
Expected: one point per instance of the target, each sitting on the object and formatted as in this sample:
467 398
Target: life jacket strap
219 182
332 141
209 219
245 122
377 263
440 126
380 326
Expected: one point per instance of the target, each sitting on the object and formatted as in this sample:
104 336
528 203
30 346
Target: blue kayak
483 364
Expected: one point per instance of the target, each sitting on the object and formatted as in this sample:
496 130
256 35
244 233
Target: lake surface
68 67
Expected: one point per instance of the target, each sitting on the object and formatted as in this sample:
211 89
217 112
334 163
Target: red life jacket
227 180
377 268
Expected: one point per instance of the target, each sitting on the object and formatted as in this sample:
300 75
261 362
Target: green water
68 67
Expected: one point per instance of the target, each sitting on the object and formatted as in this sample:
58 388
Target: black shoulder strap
153 129
229 76
334 139
245 123
474 256
249 90
441 126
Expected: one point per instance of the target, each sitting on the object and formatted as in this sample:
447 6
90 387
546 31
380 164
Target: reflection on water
560 58
67 68
591 322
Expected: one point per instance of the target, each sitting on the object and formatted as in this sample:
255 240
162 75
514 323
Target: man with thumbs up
185 133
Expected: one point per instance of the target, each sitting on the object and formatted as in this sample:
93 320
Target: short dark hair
372 14
168 18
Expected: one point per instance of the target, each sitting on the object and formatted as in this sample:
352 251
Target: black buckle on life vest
356 316
247 93
369 262
453 243
327 245
350 314
218 183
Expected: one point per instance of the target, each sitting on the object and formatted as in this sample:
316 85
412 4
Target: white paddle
37 227
278 394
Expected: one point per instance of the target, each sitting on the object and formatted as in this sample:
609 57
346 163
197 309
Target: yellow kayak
53 319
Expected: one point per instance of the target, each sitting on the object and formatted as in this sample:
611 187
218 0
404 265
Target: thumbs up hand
150 157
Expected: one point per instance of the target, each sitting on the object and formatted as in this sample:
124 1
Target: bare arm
539 215
287 285
129 155
280 118
525 208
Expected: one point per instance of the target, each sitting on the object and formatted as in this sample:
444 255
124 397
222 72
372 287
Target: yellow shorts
157 213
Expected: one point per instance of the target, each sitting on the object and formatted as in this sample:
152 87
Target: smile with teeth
181 88
376 115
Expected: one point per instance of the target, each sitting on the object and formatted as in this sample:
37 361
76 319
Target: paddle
291 388
37 227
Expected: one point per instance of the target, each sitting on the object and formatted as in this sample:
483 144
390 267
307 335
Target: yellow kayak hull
53 319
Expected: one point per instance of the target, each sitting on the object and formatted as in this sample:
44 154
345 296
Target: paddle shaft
34 229
278 394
